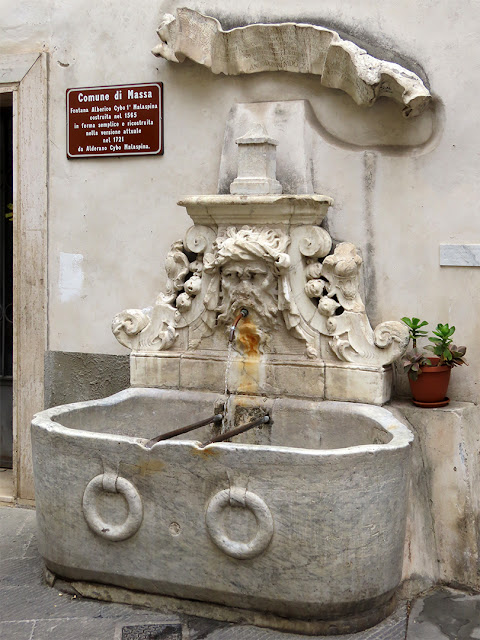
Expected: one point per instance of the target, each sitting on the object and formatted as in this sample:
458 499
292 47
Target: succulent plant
442 347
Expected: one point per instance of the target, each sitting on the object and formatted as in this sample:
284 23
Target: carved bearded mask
248 284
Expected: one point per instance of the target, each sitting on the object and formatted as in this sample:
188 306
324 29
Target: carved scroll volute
182 302
128 324
327 296
392 339
359 343
199 239
142 331
314 242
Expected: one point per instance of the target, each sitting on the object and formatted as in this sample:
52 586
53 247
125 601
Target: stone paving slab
445 614
17 531
30 610
16 630
17 572
393 628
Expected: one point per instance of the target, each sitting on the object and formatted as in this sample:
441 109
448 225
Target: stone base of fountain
222 613
272 375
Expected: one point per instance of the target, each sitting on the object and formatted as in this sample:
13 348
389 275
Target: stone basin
303 518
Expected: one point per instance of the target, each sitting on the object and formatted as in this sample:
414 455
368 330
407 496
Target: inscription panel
115 120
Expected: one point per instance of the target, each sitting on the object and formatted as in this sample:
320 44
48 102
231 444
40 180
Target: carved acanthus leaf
293 319
343 349
177 268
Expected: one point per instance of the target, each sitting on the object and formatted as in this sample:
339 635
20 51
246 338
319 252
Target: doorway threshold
6 485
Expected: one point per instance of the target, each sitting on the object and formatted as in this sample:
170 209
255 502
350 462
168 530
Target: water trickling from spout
229 413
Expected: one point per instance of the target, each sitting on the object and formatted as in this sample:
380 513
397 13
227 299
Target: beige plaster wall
401 188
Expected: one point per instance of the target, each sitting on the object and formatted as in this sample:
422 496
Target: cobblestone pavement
30 610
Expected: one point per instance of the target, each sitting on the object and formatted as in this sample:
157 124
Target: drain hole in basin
152 632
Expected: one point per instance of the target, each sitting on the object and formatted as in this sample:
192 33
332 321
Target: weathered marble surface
318 510
292 123
289 46
257 164
460 255
442 526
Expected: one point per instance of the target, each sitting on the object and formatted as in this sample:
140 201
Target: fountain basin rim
402 437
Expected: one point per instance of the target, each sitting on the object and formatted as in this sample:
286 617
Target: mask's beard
262 304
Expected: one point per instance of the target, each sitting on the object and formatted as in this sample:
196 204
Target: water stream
229 414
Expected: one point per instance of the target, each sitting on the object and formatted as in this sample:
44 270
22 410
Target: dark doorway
6 278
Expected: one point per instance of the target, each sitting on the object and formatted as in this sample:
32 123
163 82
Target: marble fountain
300 519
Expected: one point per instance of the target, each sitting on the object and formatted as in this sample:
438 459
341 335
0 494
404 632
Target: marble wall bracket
295 47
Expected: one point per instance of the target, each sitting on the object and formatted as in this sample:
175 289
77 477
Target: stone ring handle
116 532
239 498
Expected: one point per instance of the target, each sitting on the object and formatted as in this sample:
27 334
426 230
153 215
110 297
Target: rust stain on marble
151 467
205 452
249 365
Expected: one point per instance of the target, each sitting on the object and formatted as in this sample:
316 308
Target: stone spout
243 314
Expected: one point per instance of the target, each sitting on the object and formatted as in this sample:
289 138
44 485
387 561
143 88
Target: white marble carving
246 266
295 47
267 254
149 329
257 164
223 519
238 497
112 483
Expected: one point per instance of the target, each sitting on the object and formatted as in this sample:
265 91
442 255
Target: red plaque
119 120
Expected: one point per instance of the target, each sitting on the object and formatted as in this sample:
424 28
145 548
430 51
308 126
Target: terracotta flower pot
430 388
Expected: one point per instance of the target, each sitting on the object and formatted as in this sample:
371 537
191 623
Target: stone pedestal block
442 528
